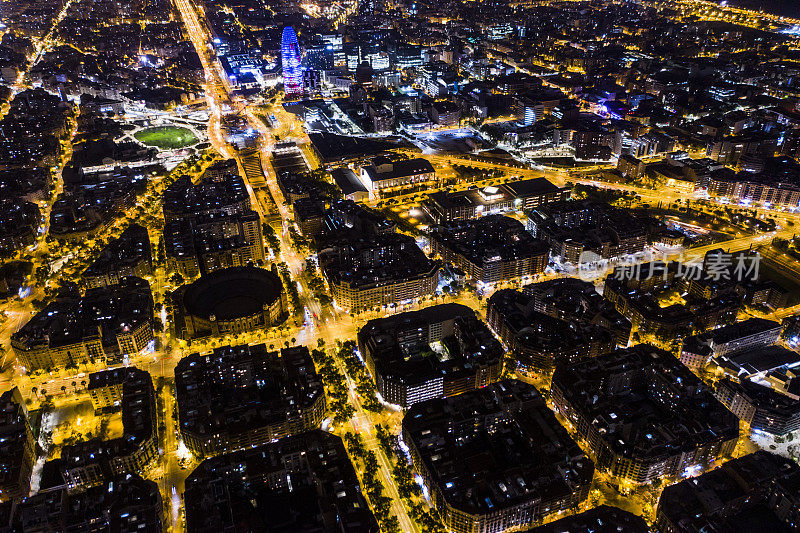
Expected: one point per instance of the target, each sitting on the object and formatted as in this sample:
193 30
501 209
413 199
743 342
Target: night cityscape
384 266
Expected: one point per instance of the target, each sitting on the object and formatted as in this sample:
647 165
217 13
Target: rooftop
416 346
570 298
731 496
759 360
132 246
490 196
495 448
739 330
601 519
383 168
121 503
183 198
232 292
644 402
363 261
541 339
14 439
304 483
489 239
332 147
138 406
112 310
240 388
347 181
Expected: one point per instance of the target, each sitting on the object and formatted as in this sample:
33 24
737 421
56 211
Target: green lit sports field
167 137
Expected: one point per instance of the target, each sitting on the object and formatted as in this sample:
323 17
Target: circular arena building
231 300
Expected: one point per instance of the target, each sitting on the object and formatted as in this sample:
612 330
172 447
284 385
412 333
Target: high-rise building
290 59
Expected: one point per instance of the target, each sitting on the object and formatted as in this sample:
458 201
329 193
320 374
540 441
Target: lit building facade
17 446
436 352
290 59
383 270
106 325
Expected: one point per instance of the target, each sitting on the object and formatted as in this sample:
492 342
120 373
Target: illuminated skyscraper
290 59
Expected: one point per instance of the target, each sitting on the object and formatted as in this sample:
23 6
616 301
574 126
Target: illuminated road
216 95
330 328
708 10
40 47
327 323
363 424
561 177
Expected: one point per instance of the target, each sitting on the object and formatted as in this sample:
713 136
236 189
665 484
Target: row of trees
470 174
367 462
358 372
298 241
316 284
84 252
410 492
323 185
600 194
273 241
290 286
335 386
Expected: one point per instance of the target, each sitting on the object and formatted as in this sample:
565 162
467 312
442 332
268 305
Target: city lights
415 267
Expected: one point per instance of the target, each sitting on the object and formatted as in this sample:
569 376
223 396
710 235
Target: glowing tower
290 59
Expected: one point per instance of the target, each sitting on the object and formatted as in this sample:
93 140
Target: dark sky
785 8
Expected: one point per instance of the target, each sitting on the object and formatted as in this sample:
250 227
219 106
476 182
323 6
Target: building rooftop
761 396
532 187
642 303
124 504
131 247
347 181
332 147
383 168
601 519
403 350
367 260
542 340
109 310
241 388
644 402
138 405
496 447
747 363
489 239
738 330
596 226
488 197
308 209
304 484
735 497
210 232
14 433
212 194
570 298
232 292
288 158
345 215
